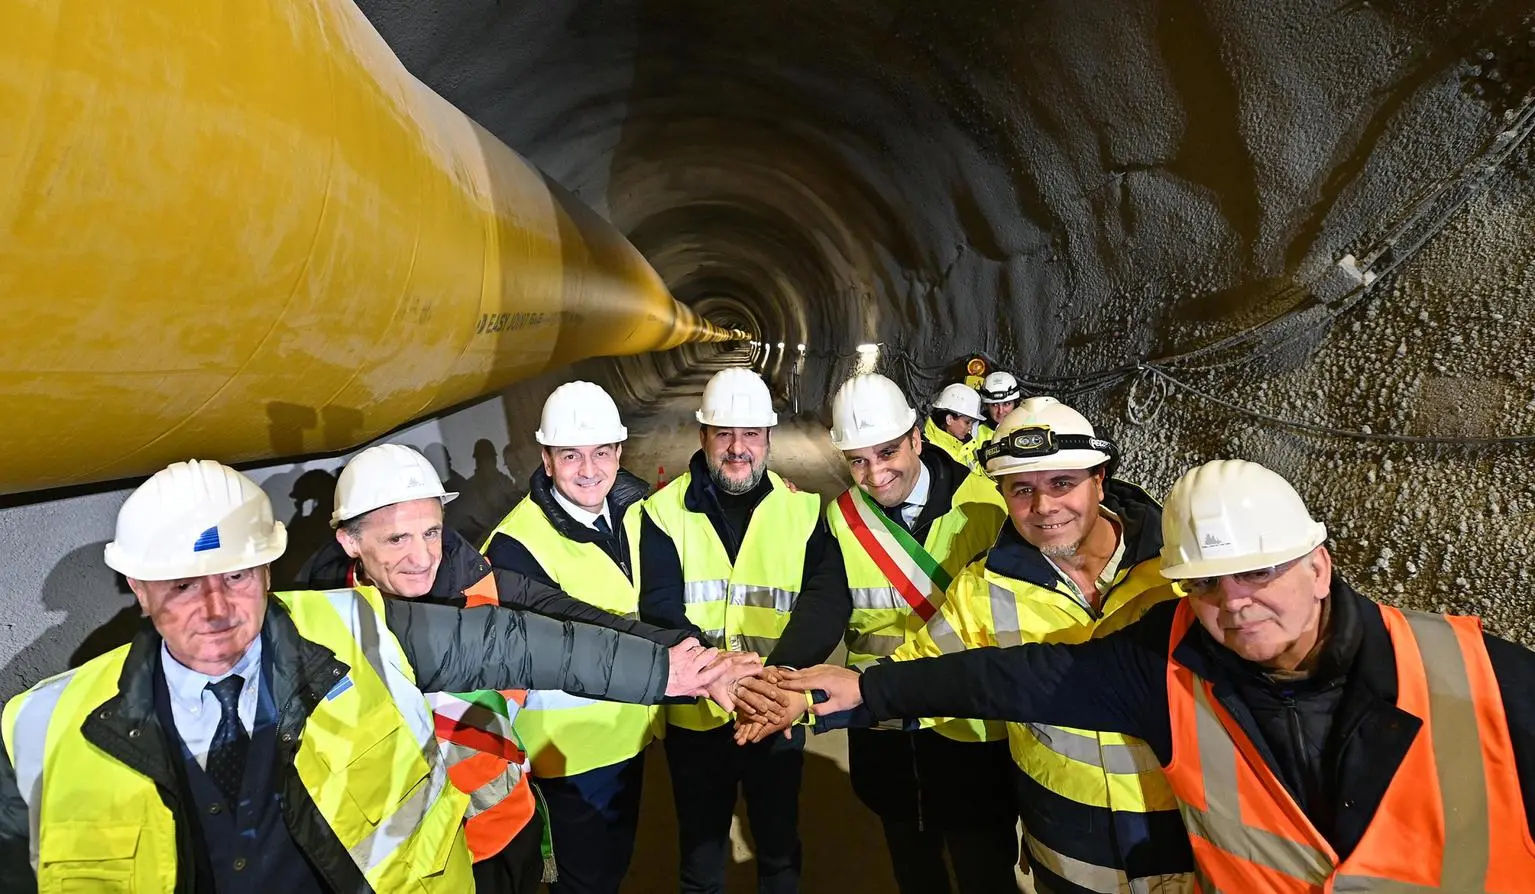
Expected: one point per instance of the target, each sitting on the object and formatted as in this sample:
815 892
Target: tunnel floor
844 849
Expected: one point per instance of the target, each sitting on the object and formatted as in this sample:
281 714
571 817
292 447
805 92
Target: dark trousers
983 858
519 868
708 768
593 817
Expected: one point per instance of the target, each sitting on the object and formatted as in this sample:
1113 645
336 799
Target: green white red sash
914 573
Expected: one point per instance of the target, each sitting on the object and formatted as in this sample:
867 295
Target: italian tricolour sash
914 573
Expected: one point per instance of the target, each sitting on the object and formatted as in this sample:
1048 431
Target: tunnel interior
1296 233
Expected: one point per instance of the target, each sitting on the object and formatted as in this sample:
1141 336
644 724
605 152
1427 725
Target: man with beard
913 519
575 530
728 550
390 534
1076 561
1313 739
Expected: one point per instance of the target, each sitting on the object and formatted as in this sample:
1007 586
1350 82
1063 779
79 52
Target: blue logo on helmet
207 540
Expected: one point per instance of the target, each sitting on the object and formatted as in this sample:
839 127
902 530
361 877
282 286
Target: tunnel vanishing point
1297 232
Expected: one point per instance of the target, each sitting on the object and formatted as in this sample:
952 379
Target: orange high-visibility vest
1451 819
485 759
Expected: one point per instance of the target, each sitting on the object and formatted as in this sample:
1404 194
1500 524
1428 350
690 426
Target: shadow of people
485 497
88 592
313 494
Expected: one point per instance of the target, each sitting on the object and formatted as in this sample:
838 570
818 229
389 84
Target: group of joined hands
764 699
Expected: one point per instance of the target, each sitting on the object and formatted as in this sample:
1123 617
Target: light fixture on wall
868 358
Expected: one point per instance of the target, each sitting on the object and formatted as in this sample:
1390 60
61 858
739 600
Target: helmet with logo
959 398
736 397
383 475
867 410
580 414
1229 516
1044 435
193 519
999 388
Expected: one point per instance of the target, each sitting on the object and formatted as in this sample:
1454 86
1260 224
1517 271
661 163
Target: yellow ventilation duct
239 229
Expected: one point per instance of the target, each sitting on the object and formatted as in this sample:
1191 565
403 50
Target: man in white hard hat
268 742
1314 740
390 533
913 519
577 529
956 424
729 549
999 396
1076 560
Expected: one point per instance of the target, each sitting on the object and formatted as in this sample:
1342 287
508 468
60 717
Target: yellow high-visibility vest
883 620
569 734
742 607
367 759
966 453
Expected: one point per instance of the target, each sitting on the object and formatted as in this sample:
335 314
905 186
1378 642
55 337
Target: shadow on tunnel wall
86 591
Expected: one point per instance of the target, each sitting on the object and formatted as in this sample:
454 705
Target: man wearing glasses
1314 740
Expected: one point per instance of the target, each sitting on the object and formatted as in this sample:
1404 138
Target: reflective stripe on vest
1450 820
570 734
366 758
742 607
882 620
481 751
1100 781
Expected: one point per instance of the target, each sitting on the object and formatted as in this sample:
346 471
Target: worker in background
1314 740
730 550
912 521
247 742
576 529
390 534
956 425
999 396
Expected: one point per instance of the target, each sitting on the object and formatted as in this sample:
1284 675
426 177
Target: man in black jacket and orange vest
390 534
1314 740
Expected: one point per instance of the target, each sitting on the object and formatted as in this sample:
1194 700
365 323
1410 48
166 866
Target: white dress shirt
194 708
582 516
911 510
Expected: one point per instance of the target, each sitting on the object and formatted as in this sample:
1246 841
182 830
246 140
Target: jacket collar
703 496
1141 520
946 477
1357 649
462 567
628 489
128 727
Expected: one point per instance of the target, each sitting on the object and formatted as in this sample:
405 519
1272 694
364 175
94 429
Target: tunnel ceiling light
868 349
802 349
780 346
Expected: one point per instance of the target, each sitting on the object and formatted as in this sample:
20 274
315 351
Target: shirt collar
581 516
186 685
919 491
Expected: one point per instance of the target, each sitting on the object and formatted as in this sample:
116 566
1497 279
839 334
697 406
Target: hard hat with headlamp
1044 435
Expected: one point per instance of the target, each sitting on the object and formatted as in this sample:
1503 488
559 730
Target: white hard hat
580 414
195 518
737 398
1230 516
868 410
1000 387
1043 435
383 475
959 398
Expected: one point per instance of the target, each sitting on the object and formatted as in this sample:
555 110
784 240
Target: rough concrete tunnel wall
1141 207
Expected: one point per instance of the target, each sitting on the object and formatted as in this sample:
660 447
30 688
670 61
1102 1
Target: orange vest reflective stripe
483 762
1451 819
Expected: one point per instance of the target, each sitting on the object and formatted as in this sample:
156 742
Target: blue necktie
601 524
226 754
